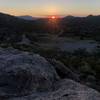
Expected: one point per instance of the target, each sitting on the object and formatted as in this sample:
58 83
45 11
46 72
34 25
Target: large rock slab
28 76
22 73
64 90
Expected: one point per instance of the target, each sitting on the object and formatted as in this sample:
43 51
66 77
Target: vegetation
82 27
85 64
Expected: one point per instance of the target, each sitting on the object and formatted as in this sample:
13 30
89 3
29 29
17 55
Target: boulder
64 90
22 73
28 76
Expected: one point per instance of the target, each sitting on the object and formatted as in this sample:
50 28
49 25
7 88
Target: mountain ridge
27 17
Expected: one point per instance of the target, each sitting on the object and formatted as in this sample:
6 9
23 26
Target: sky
50 7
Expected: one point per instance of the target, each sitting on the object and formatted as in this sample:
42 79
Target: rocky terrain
38 65
28 76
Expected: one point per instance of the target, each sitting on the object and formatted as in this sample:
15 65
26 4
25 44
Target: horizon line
60 15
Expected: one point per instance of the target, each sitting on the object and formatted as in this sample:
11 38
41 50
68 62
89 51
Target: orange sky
50 7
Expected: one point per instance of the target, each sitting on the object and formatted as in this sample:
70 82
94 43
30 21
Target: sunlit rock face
22 73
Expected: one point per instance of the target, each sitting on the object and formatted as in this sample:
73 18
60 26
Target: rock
22 73
64 90
28 76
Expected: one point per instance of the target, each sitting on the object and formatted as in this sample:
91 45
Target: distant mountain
28 17
81 26
12 27
14 23
68 17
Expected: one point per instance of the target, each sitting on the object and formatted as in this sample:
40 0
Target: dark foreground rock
26 76
22 73
64 90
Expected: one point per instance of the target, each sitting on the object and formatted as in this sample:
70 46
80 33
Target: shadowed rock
22 73
65 90
26 76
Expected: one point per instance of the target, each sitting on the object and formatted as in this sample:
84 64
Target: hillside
75 26
12 28
14 23
81 26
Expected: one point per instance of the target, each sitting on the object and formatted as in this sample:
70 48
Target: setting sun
53 17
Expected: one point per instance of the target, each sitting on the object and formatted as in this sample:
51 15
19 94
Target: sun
53 17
